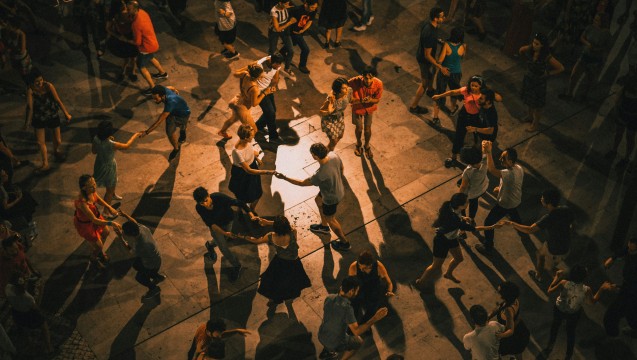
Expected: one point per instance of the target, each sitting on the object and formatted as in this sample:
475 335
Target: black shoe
151 294
224 51
173 154
318 228
148 91
182 136
235 273
304 69
160 76
326 45
339 245
211 256
430 92
276 141
418 110
159 279
450 162
484 250
133 77
328 355
435 122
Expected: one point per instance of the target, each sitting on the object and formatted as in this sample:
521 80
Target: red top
144 33
360 91
470 101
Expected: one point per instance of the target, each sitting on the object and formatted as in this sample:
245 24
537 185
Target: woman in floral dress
332 116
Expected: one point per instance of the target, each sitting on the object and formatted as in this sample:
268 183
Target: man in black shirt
427 47
487 129
304 15
625 305
216 212
558 224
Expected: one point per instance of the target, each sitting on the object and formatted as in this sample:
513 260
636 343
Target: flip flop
358 151
368 153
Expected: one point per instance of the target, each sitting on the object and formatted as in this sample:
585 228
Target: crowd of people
126 31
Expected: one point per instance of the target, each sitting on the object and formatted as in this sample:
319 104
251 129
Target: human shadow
123 346
284 336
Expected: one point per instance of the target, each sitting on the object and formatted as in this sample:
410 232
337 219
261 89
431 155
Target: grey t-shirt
337 315
225 23
265 80
146 249
477 178
482 341
510 195
329 179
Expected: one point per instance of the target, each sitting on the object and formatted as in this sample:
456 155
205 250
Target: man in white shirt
509 192
270 79
482 341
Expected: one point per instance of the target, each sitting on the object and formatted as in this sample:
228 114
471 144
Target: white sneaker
370 21
360 28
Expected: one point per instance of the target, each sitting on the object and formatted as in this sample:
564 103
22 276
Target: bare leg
57 140
229 47
147 77
419 93
108 196
332 143
157 65
230 121
335 225
457 259
174 139
368 135
339 32
536 114
253 205
432 272
359 133
328 34
40 135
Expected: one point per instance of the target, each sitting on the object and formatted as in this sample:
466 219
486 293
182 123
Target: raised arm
129 143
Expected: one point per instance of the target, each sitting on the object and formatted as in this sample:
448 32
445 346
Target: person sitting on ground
208 341
370 272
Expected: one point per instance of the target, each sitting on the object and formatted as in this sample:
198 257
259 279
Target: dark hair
32 75
470 155
479 315
395 357
216 325
337 85
104 129
445 211
366 258
489 95
277 58
158 90
311 2
545 51
578 273
457 35
476 78
134 3
434 12
512 154
551 196
8 242
281 225
350 283
244 131
509 292
319 150
130 228
82 182
200 194
368 70
255 70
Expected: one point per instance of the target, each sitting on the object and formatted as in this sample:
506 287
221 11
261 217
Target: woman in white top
568 306
245 177
474 181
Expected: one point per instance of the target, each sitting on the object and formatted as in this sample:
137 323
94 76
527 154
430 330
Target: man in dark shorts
338 317
329 179
487 128
176 113
558 224
226 28
304 15
427 47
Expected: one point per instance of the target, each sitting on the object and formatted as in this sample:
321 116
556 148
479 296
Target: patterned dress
45 110
333 125
105 167
534 83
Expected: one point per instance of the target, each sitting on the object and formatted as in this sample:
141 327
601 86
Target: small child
226 28
209 338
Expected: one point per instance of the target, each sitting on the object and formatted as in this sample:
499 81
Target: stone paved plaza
390 204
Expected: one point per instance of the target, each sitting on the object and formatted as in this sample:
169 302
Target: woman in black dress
375 285
118 28
285 277
333 16
515 338
245 176
540 65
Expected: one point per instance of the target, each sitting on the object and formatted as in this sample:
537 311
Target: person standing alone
366 93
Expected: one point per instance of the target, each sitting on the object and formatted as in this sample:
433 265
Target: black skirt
283 280
245 187
516 343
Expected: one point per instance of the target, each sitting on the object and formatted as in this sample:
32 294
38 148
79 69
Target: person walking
43 105
367 17
375 285
304 16
285 277
333 16
226 28
451 56
515 337
269 82
88 221
483 341
245 176
147 257
338 317
540 65
573 293
558 224
216 212
329 178
474 181
105 166
448 226
332 112
176 114
280 23
623 306
426 57
508 192
367 90
146 41
118 25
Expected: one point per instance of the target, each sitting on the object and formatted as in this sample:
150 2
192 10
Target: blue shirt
175 104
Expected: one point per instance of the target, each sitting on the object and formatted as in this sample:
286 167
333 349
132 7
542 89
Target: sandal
358 151
368 153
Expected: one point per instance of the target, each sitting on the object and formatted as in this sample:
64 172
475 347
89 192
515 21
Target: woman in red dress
88 221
